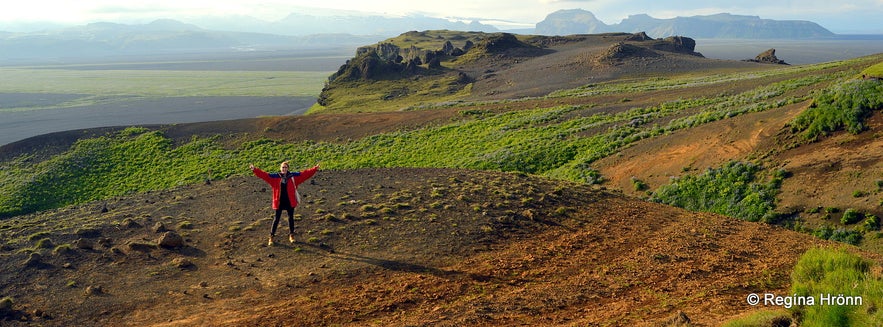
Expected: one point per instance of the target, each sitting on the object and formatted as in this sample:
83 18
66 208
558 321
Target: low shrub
733 190
837 273
838 235
872 223
762 318
851 216
844 106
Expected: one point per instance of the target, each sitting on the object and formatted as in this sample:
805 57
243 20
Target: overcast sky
856 16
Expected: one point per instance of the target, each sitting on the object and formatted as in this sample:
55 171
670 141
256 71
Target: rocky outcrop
171 240
386 60
768 57
639 45
622 51
640 36
677 44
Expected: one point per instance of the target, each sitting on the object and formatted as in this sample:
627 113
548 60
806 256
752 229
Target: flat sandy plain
49 98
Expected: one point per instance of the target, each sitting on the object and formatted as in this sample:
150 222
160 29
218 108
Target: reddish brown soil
453 248
690 151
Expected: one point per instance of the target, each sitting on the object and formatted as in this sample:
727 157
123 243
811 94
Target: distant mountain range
347 30
344 22
719 26
161 37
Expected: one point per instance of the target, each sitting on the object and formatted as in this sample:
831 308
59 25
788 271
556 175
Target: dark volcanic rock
678 44
623 50
768 57
640 36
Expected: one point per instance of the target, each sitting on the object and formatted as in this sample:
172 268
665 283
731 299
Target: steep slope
390 247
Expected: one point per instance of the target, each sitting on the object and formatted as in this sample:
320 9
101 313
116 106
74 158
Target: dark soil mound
621 51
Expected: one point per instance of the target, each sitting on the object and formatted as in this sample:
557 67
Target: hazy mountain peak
723 25
171 25
571 20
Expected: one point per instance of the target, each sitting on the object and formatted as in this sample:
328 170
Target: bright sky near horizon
857 16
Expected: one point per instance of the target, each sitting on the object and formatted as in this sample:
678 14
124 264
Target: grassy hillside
875 71
559 141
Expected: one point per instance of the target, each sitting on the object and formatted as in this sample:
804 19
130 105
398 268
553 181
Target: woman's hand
251 166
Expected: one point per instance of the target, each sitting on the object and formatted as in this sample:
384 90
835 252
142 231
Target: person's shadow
327 251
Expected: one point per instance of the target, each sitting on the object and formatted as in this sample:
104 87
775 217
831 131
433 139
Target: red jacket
275 181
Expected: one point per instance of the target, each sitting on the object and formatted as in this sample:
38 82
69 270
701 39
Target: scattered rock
203 284
141 246
64 249
678 320
6 306
35 260
171 240
84 244
89 233
45 243
182 263
128 223
105 242
94 290
159 227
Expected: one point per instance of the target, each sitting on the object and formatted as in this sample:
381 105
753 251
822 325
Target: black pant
290 220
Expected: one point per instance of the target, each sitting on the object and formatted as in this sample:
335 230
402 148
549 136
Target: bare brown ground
656 160
828 174
456 248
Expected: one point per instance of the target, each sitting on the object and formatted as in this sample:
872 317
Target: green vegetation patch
874 71
734 190
391 94
762 318
854 290
845 106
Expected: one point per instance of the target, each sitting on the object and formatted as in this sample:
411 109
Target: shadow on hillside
398 265
192 252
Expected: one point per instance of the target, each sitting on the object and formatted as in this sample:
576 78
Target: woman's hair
284 163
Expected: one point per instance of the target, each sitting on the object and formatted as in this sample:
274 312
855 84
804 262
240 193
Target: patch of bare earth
839 171
394 247
690 151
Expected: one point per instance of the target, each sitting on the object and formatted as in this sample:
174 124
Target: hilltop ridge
417 68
